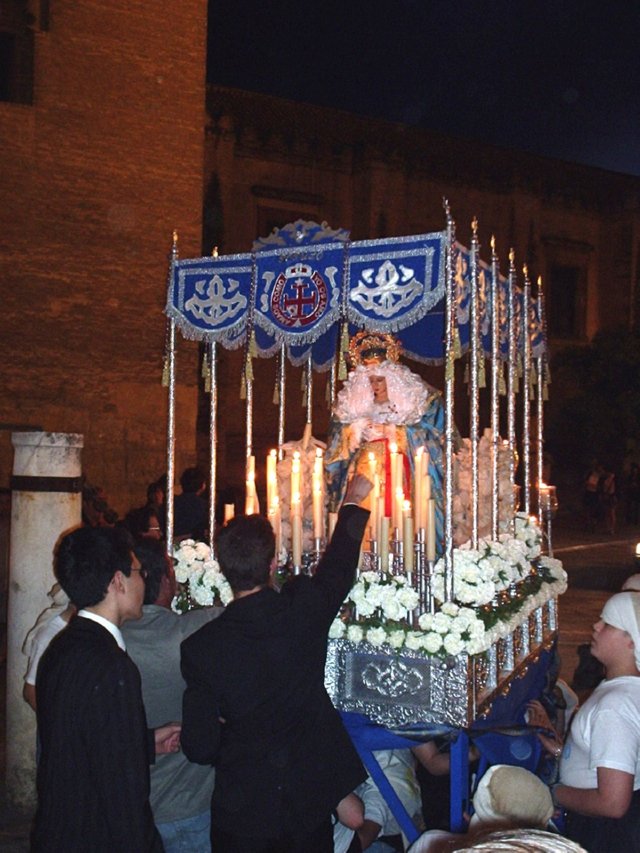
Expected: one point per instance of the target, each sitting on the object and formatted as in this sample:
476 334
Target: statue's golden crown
373 348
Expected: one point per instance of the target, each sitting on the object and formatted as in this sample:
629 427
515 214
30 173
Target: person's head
616 635
143 523
155 494
160 583
520 841
632 584
379 387
192 480
88 559
511 796
245 548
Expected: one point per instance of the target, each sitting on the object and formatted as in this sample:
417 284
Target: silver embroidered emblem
390 291
392 678
215 304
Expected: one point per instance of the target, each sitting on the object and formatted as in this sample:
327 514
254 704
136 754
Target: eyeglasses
144 573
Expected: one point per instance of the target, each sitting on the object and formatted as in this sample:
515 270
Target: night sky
555 77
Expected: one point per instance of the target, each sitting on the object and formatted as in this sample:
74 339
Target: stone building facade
269 161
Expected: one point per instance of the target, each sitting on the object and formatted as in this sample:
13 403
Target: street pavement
597 564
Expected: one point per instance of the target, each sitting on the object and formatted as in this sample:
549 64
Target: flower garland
376 608
199 577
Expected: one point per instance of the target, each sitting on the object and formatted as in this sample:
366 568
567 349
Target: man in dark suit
93 775
255 703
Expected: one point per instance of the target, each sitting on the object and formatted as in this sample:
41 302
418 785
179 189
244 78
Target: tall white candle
229 512
272 478
295 480
393 455
407 537
384 544
431 530
250 484
333 518
418 487
296 530
317 497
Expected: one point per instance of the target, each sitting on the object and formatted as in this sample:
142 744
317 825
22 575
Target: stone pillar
46 501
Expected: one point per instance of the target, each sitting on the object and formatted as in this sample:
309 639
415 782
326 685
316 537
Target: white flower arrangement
198 573
380 604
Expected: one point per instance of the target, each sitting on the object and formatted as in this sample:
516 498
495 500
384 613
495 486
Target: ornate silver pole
526 394
495 390
540 400
171 414
512 379
282 388
474 420
309 388
213 438
449 423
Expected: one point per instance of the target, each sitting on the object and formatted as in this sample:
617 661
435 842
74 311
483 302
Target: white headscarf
623 611
507 794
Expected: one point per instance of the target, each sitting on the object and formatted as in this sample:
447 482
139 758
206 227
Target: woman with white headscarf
600 767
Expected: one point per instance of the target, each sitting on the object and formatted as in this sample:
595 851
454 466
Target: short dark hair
245 547
138 520
87 559
153 558
192 479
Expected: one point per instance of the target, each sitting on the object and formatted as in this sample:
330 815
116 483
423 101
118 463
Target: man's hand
357 489
167 738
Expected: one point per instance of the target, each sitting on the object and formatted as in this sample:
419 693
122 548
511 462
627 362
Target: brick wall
95 176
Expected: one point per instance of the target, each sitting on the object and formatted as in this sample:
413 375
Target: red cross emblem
300 301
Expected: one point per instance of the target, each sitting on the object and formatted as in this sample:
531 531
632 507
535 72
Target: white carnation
376 636
396 639
432 642
453 644
337 629
355 633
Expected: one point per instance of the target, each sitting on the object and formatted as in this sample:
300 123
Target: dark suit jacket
283 758
93 776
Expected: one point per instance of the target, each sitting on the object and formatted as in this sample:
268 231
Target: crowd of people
212 730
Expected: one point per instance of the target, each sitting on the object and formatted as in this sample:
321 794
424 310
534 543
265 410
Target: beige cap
512 795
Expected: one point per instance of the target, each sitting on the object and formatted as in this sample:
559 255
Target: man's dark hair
245 547
87 559
138 520
153 558
192 479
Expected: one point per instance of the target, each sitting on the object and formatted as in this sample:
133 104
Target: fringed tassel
449 372
206 372
502 385
243 387
344 348
304 387
457 346
482 374
533 380
165 372
276 393
467 374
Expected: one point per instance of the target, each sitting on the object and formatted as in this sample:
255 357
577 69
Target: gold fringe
449 372
457 346
482 374
502 385
165 373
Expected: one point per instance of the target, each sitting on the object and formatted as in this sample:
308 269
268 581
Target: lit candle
384 543
317 503
272 478
295 480
250 483
296 531
274 518
431 530
418 487
398 507
229 512
375 506
393 468
407 537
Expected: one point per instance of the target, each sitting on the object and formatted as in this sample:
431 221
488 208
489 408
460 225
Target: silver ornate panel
398 689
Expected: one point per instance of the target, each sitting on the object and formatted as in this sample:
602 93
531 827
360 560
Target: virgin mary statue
384 408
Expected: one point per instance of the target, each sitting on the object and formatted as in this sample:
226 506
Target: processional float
454 634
